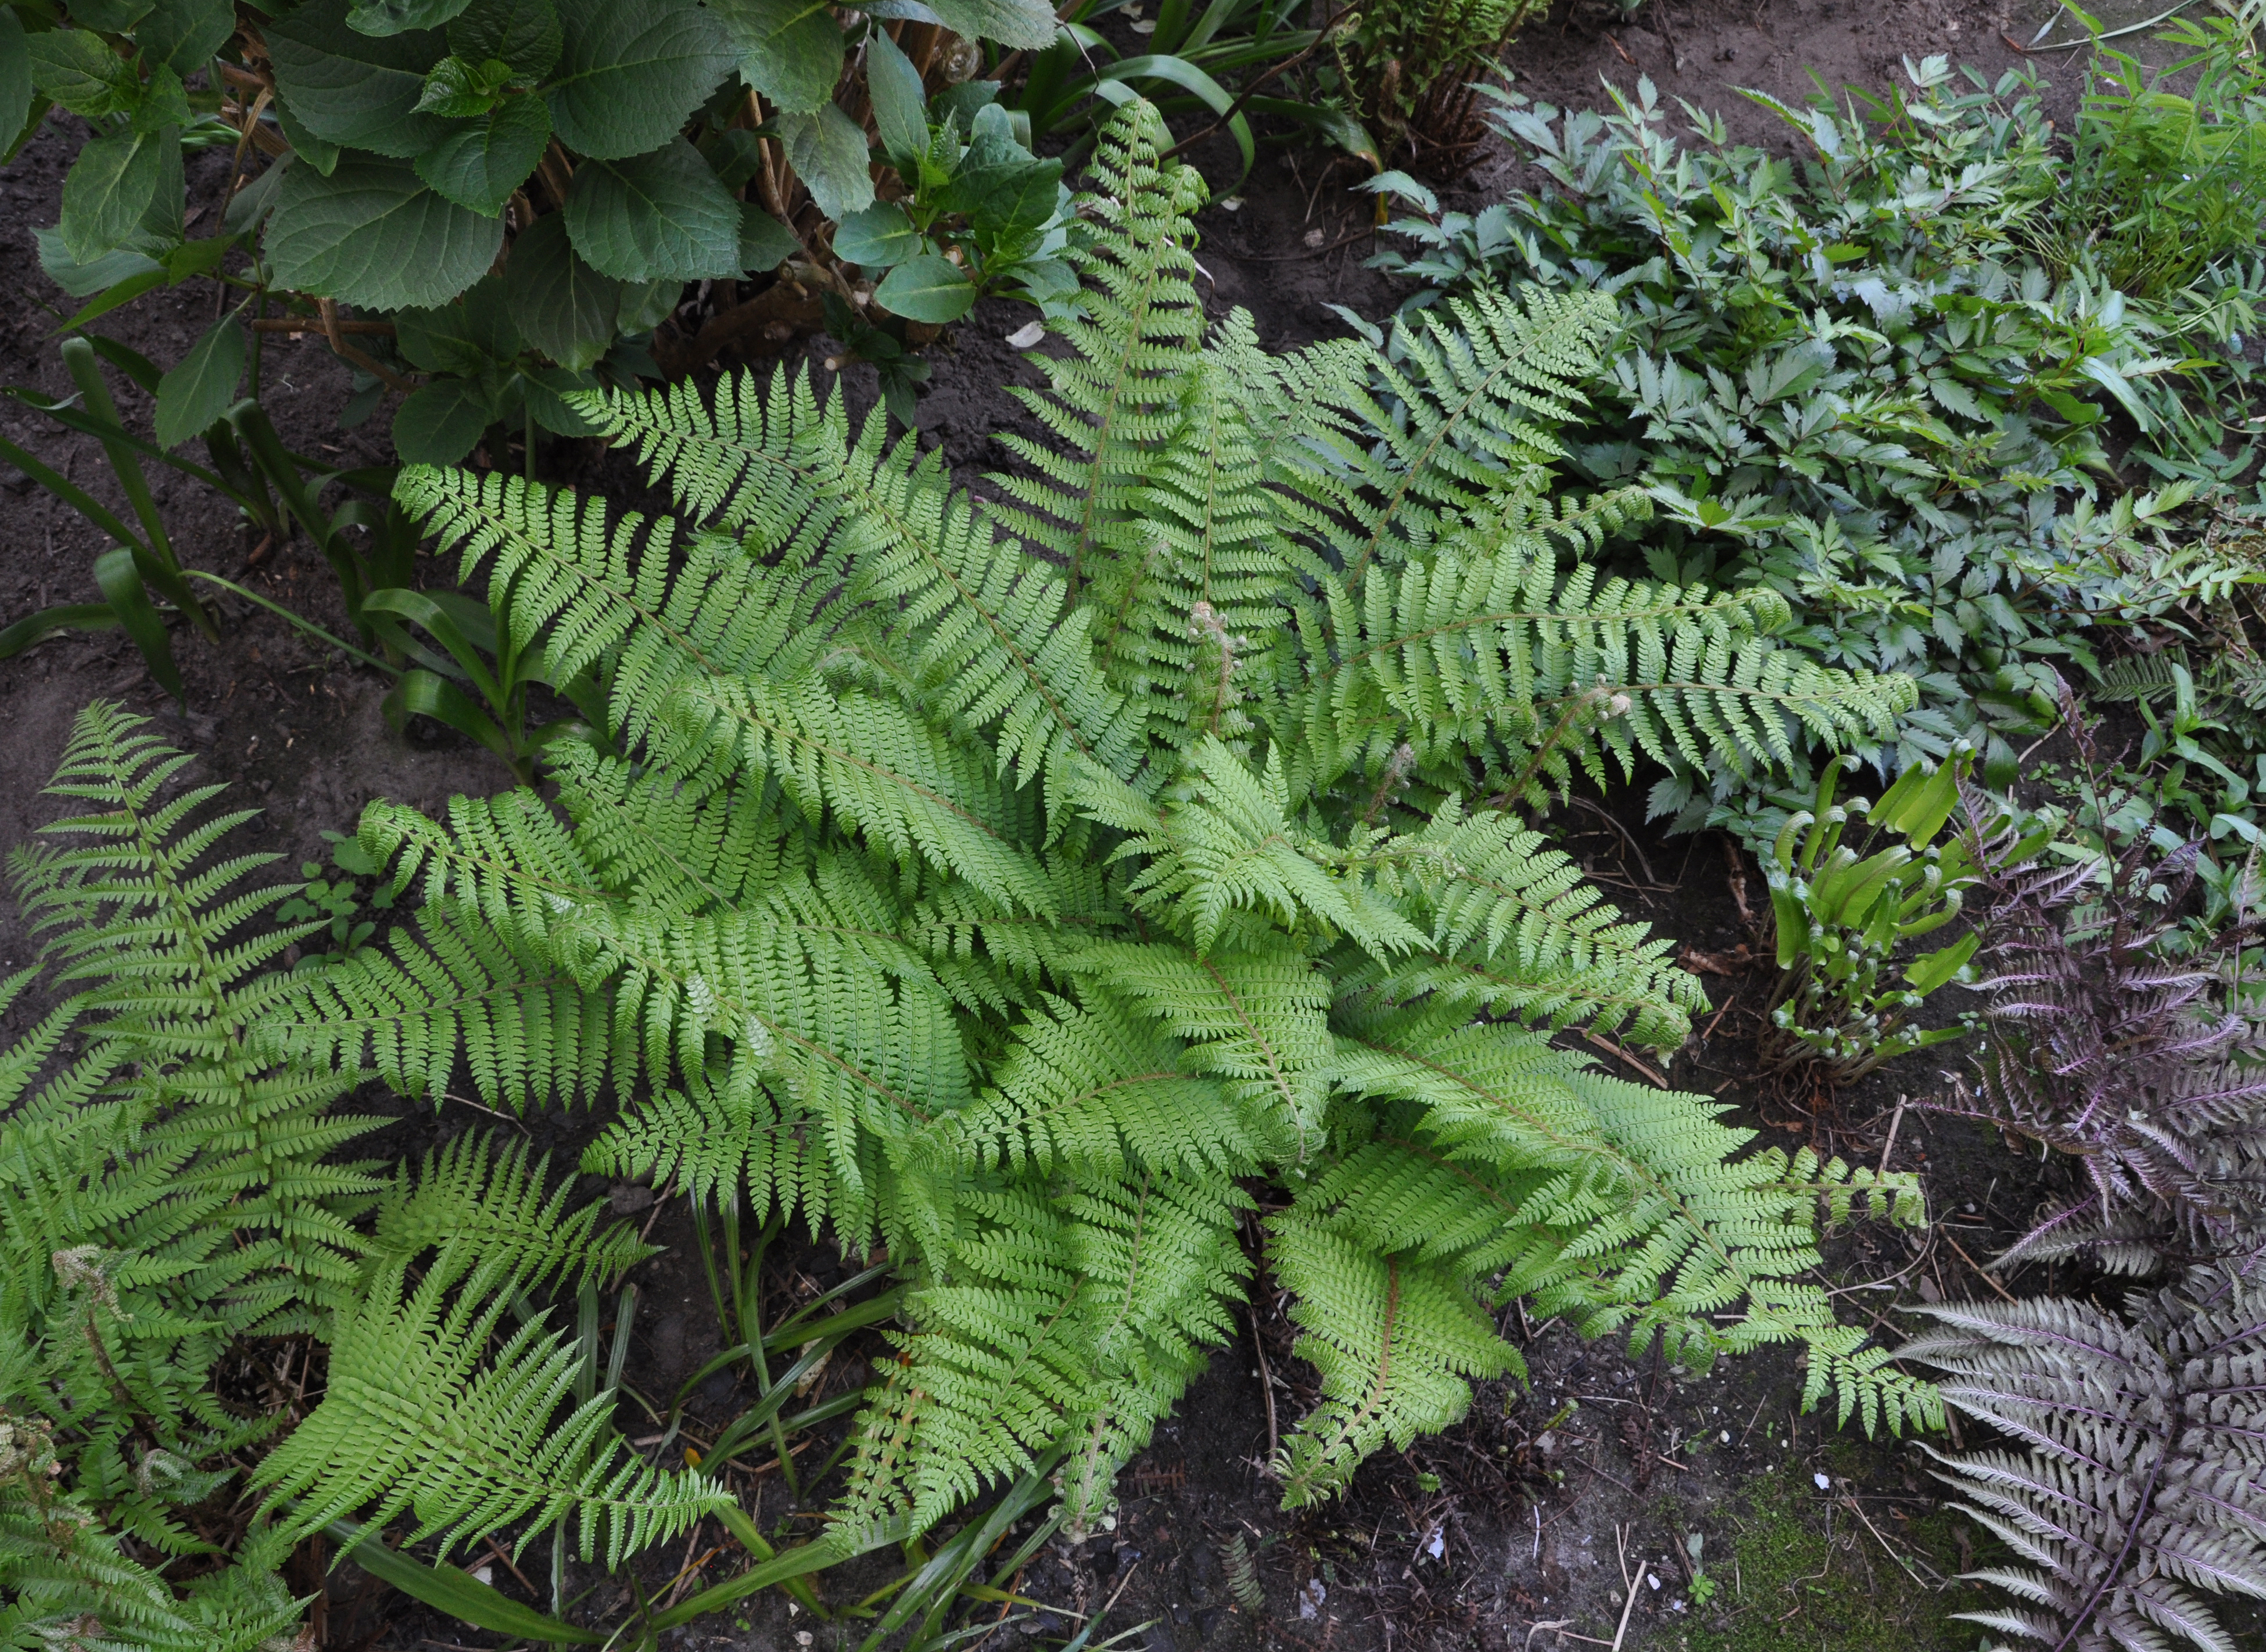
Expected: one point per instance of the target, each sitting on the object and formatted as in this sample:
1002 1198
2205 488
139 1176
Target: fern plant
1010 884
168 1190
2132 1489
2121 1035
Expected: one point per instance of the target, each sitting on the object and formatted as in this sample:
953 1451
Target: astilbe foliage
1011 884
169 1187
2136 1481
2116 1033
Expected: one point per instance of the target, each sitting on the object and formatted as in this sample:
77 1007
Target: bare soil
1512 1530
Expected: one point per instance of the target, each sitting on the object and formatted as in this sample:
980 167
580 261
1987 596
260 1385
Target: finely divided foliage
2141 1485
1062 894
1013 904
168 1188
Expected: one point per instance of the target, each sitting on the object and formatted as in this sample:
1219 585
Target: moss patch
1794 1567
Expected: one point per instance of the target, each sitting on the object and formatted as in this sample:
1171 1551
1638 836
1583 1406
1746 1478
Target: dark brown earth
1502 1533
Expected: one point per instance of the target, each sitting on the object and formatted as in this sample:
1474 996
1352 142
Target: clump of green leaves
2162 183
1015 912
609 152
1408 69
1842 918
1850 378
169 1195
140 578
985 214
338 903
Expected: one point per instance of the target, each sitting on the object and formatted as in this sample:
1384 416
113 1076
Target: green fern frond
1013 902
1395 1342
564 580
1202 566
1090 1089
1227 847
467 1194
872 764
1474 393
412 1421
1256 1021
708 1143
1494 649
1665 1226
987 641
457 987
991 637
1115 395
139 914
1515 928
1080 1317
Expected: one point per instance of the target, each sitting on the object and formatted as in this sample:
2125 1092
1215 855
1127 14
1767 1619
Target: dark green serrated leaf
879 237
112 17
630 71
765 242
546 388
78 71
480 165
733 155
16 78
162 225
373 234
381 17
1007 199
1026 24
355 88
789 50
645 305
249 207
463 88
900 106
566 309
112 183
199 391
94 276
931 289
184 34
196 258
165 102
524 33
441 423
963 102
319 153
470 337
828 151
654 217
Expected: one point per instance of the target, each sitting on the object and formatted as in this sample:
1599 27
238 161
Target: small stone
1825 1482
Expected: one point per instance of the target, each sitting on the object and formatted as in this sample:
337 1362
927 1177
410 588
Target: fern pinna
1011 884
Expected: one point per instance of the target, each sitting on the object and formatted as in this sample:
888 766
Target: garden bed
1527 1518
